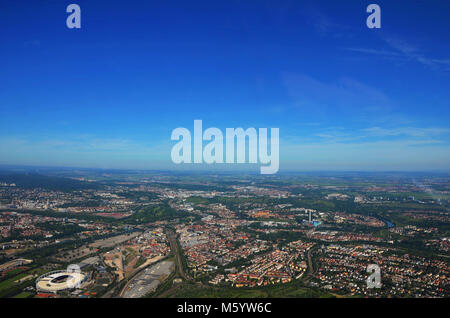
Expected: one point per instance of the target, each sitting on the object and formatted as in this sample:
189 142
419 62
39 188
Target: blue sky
345 97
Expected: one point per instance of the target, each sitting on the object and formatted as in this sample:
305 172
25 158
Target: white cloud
406 131
404 51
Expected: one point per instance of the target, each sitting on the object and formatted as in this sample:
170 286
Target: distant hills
34 180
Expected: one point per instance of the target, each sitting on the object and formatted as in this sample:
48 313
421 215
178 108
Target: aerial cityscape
148 234
224 156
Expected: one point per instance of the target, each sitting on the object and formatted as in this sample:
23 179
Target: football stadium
58 281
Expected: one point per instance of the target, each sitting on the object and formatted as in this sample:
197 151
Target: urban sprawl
135 235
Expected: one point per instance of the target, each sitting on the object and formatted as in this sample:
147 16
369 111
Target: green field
23 295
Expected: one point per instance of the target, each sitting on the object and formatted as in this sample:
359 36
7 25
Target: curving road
310 272
172 237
